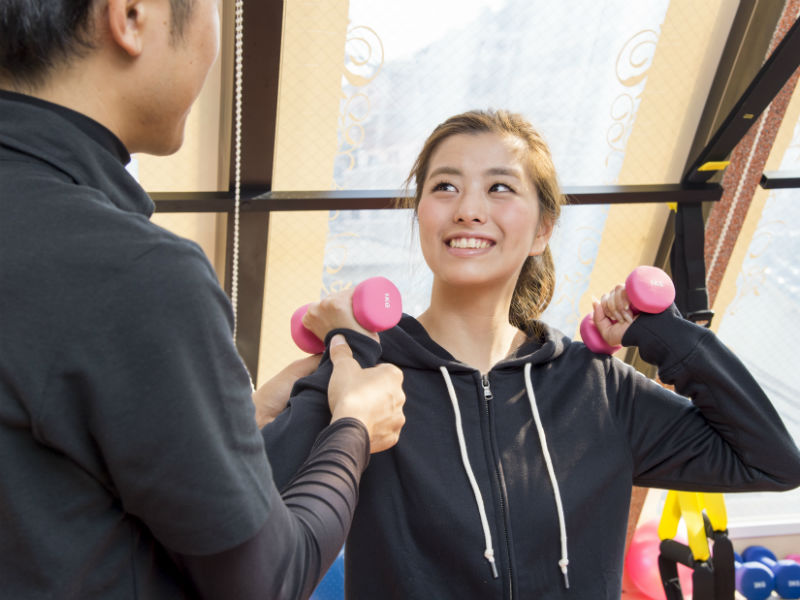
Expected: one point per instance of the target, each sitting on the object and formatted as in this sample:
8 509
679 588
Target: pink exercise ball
641 563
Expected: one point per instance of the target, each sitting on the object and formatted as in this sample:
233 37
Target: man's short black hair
37 35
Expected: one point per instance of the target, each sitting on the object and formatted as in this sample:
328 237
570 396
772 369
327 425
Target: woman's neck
473 328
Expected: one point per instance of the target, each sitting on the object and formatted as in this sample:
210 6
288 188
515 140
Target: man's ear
125 20
543 233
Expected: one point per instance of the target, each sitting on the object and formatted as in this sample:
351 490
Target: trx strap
713 575
687 263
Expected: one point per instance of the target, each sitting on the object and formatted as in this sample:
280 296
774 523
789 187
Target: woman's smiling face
479 211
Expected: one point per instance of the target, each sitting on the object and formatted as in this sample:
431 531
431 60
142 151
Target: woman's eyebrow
507 171
444 171
513 172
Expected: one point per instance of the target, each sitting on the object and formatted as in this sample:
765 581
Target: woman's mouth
469 242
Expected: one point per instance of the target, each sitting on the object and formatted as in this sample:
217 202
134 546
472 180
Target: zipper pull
487 392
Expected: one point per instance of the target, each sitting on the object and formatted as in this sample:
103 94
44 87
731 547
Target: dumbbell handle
649 290
377 306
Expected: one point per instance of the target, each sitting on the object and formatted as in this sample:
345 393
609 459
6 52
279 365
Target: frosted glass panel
577 75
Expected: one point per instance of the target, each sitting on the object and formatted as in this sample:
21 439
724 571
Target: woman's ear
543 233
125 21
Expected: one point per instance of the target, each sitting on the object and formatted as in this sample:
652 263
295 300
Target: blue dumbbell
754 580
786 572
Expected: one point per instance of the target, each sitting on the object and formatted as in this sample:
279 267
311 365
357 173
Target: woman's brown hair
536 281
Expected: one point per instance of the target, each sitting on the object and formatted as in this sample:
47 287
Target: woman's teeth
469 243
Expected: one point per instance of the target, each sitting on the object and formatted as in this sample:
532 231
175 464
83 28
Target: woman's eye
500 187
443 186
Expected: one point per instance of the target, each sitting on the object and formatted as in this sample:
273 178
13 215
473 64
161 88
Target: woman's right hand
613 315
373 395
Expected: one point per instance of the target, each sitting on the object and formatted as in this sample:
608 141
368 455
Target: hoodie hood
409 345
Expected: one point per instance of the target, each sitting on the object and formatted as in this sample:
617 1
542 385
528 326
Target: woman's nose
471 207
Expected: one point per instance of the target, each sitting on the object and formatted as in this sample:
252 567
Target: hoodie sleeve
728 438
304 531
289 438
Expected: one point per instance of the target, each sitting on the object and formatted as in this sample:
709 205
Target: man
130 461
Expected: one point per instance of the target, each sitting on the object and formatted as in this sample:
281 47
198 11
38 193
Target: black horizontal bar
274 201
327 200
195 202
171 202
777 180
642 194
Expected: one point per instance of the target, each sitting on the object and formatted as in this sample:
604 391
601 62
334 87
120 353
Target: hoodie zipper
488 397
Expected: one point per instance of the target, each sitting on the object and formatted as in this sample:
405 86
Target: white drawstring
548 461
488 553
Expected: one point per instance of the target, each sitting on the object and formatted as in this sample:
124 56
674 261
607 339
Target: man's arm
289 438
304 531
308 523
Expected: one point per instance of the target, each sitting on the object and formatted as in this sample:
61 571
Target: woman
513 473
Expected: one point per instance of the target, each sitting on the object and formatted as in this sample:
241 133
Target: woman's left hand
613 315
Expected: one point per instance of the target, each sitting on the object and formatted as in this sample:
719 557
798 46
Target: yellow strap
689 506
692 511
668 526
714 165
715 509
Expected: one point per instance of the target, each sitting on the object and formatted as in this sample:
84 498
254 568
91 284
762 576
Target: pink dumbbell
376 307
649 289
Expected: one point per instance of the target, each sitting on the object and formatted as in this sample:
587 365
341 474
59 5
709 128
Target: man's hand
613 315
374 396
271 398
